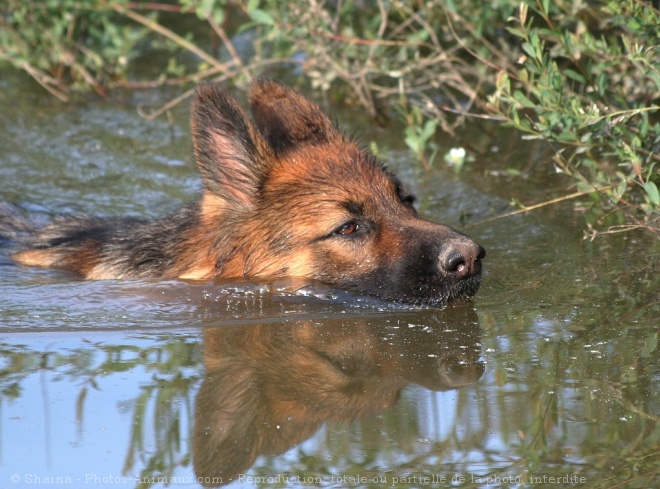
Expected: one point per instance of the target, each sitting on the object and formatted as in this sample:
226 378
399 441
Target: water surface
550 377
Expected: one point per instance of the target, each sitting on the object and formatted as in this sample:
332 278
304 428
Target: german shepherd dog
285 194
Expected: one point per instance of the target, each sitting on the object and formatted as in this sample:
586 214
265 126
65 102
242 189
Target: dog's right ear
230 152
288 119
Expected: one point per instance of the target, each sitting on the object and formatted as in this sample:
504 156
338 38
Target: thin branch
180 80
540 205
222 34
156 27
177 100
46 81
169 105
356 40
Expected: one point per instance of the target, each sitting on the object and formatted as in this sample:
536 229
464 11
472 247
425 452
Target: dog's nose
462 259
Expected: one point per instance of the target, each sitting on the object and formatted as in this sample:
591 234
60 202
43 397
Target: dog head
288 194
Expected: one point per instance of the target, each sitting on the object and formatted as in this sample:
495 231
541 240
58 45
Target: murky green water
549 378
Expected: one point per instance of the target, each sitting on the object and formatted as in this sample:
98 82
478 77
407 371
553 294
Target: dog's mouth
423 293
438 296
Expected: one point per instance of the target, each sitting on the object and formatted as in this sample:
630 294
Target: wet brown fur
277 190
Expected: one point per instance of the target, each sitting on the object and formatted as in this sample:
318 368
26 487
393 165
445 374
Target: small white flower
455 156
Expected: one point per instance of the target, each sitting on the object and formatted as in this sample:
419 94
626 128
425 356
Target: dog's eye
405 197
348 228
408 200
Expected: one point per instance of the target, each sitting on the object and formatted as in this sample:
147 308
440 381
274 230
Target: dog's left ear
286 118
232 155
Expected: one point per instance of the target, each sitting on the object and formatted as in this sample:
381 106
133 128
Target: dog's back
14 227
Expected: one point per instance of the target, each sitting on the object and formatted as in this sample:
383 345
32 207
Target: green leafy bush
589 84
67 43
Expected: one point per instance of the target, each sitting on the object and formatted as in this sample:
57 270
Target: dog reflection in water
268 388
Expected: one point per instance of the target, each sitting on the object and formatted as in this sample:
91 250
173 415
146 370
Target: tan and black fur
284 194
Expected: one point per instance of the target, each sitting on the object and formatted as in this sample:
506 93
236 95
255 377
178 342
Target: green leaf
620 189
218 16
522 99
546 6
429 130
262 17
411 140
584 187
516 32
574 75
652 192
529 49
601 84
502 82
